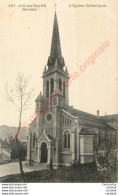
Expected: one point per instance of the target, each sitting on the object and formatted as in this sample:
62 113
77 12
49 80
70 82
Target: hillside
5 131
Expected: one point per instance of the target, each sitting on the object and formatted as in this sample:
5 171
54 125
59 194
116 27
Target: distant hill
5 131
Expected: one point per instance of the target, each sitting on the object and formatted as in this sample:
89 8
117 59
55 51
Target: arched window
63 120
54 102
47 89
34 139
64 89
96 139
99 139
52 85
66 139
107 139
95 144
60 84
112 139
70 122
51 131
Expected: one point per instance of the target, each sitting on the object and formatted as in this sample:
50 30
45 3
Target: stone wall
66 158
86 149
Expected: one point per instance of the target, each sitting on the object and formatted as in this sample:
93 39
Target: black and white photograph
59 94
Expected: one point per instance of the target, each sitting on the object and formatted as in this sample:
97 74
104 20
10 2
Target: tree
13 146
20 96
107 166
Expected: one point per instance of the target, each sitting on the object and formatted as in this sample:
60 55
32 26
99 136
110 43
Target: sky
25 42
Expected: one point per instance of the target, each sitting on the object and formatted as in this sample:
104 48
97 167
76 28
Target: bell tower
55 74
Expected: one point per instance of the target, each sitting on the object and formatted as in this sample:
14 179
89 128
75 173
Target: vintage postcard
59 96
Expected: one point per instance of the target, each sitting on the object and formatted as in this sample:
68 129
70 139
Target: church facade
60 133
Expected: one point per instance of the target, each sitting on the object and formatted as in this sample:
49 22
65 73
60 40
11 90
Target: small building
5 152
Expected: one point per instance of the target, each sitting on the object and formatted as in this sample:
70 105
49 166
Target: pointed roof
55 53
39 98
55 46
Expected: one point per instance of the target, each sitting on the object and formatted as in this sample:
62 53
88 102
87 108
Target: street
13 168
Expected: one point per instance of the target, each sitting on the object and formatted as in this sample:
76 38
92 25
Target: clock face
49 117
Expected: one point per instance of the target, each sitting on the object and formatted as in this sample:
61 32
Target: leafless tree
20 96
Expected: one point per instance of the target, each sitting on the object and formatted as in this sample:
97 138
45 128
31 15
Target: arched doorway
43 152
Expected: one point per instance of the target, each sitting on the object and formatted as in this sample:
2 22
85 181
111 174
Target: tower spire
55 53
55 6
55 46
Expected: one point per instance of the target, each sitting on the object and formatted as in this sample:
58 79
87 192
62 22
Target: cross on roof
55 6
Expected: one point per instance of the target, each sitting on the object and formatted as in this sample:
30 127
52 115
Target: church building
60 133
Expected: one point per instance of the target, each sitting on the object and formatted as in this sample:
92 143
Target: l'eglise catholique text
87 5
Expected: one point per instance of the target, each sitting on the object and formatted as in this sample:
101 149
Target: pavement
13 168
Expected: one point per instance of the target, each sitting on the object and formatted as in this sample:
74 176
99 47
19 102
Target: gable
44 138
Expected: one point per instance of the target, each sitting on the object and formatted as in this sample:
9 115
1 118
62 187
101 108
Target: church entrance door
43 152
